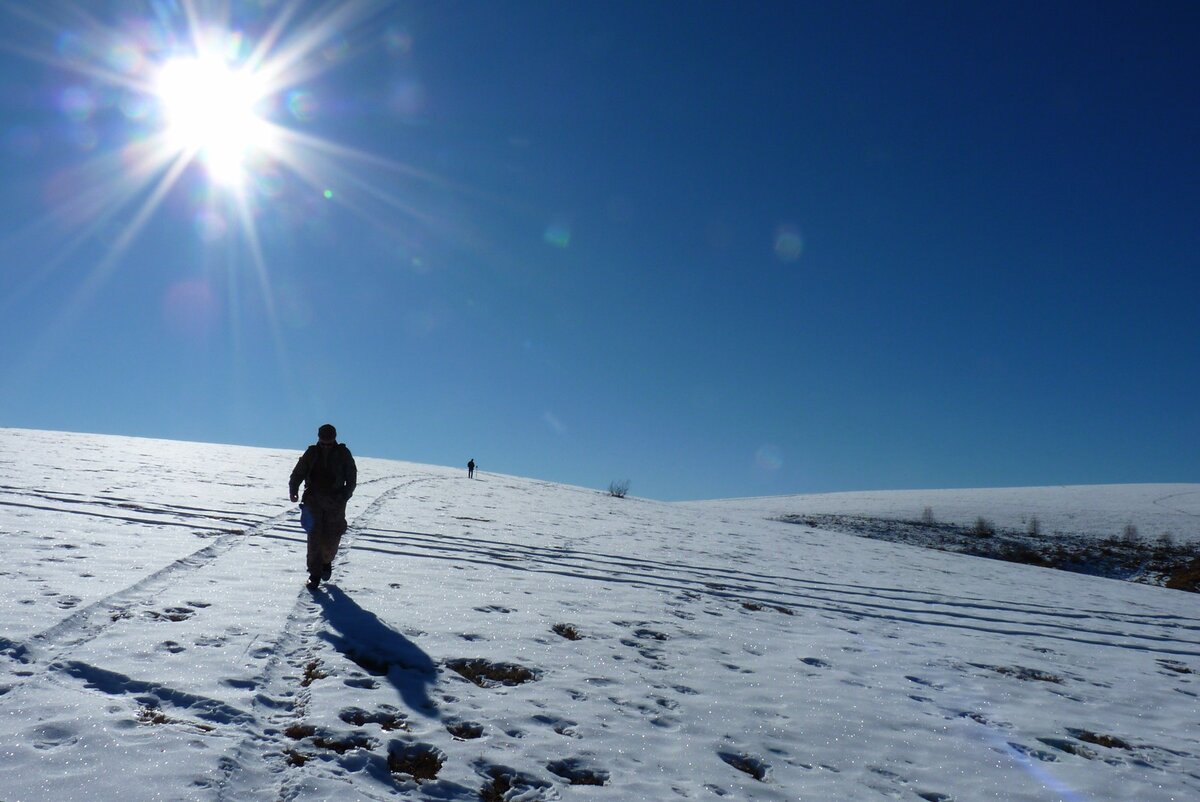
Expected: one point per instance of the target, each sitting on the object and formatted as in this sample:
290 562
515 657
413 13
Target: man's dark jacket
327 471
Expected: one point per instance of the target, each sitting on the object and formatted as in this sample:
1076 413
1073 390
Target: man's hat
327 434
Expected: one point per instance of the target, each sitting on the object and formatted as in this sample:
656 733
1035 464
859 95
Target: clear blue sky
719 249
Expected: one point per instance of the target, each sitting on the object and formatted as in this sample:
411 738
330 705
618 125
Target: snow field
504 638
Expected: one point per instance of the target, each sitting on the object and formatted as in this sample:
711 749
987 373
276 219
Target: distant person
471 469
329 474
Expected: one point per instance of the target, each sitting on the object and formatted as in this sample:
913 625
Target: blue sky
717 249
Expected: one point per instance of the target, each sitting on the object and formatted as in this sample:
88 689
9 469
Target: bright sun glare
210 113
220 85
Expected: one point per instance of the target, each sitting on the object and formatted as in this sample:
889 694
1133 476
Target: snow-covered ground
157 642
1100 511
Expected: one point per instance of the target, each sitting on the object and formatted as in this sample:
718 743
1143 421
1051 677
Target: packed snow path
502 638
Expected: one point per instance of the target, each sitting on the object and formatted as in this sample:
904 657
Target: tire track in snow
190 518
55 643
1158 502
46 655
1105 628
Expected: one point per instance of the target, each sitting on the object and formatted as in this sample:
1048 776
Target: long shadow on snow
378 649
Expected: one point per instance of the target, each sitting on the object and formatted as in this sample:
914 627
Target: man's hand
295 497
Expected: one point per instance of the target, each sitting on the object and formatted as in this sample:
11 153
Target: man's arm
300 473
351 474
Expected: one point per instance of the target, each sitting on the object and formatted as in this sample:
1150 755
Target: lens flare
302 105
789 245
190 308
769 457
77 103
558 235
398 41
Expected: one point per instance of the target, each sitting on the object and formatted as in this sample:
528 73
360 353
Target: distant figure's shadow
378 649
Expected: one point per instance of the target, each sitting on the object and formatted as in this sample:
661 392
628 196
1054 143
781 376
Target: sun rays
186 109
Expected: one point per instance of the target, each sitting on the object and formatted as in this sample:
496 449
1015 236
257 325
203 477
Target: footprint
504 783
1070 747
344 743
924 682
650 634
171 614
1029 751
464 730
49 736
576 772
240 684
560 725
494 608
171 646
755 767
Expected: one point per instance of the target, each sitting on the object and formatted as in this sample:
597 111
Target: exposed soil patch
387 717
1107 741
295 758
300 731
312 673
422 762
487 674
153 715
567 631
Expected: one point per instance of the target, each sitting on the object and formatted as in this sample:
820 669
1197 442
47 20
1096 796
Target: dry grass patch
422 762
487 674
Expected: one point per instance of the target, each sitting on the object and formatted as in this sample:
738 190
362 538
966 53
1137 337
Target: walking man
471 469
329 474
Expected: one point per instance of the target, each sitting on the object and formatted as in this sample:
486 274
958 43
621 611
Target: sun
210 112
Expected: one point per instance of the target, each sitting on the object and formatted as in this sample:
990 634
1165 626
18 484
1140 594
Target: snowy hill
1095 510
503 639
